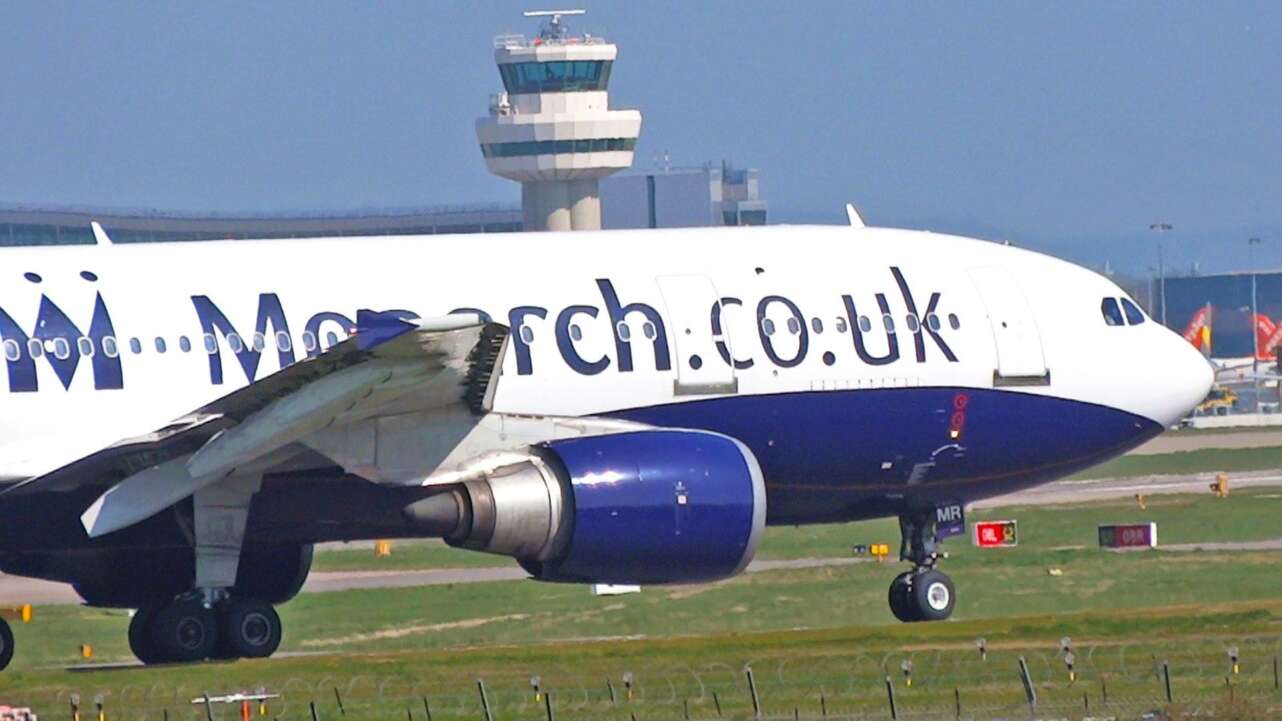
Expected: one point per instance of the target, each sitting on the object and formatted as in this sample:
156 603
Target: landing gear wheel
250 629
901 603
184 631
140 636
933 596
6 644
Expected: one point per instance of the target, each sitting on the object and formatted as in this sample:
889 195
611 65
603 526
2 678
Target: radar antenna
553 29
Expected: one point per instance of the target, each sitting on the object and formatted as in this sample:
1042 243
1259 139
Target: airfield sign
995 534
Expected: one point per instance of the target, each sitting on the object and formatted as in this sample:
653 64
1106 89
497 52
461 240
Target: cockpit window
1133 314
1112 313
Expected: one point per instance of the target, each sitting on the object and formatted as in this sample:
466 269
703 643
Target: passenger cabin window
12 351
135 346
1112 313
1133 314
84 346
109 348
184 344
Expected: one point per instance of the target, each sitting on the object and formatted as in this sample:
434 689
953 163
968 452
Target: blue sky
1061 126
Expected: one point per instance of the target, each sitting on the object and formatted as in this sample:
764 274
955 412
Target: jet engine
645 507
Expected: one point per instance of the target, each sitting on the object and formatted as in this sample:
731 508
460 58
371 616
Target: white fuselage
784 317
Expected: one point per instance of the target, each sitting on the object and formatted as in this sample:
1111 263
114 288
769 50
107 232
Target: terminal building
683 198
70 226
669 198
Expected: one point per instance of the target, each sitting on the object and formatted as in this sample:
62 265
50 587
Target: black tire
900 597
933 596
250 629
183 632
140 636
6 644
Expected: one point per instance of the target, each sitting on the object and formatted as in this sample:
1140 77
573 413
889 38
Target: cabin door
699 349
1020 359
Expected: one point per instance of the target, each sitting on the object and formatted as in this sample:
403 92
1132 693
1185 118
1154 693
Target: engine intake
648 507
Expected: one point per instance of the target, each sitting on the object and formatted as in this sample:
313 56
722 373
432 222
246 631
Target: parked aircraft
1242 369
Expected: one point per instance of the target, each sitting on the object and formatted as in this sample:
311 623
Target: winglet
99 235
374 328
852 215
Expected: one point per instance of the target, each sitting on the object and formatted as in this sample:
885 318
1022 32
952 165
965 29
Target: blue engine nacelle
644 507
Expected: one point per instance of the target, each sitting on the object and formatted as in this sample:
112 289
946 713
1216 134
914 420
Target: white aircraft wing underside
392 367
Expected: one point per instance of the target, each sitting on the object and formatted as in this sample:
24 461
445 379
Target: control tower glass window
565 76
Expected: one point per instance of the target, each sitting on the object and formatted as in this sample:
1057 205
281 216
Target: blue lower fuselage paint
845 455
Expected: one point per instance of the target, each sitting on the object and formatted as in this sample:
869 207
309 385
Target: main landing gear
186 630
211 622
924 593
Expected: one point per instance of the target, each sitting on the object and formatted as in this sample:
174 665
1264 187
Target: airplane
180 423
1236 369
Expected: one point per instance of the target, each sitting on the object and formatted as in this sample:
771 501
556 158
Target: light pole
1255 334
1251 244
1161 263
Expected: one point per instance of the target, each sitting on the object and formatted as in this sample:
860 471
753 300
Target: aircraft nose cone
1189 380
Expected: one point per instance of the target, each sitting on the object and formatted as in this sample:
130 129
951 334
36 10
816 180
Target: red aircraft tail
1267 336
1198 331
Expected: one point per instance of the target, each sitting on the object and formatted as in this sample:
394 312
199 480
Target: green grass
406 555
810 632
1185 462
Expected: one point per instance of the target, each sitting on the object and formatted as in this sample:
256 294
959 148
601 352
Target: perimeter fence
1206 678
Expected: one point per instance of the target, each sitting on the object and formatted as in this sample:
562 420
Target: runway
1177 441
1103 489
15 590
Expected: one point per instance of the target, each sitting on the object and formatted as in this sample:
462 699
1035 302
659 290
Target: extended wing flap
138 497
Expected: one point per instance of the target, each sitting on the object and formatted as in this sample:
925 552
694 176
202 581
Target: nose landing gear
924 593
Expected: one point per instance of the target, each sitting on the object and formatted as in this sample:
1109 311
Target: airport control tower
552 128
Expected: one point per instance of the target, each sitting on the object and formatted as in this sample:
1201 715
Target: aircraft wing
391 364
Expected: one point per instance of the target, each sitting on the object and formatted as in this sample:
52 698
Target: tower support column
561 204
